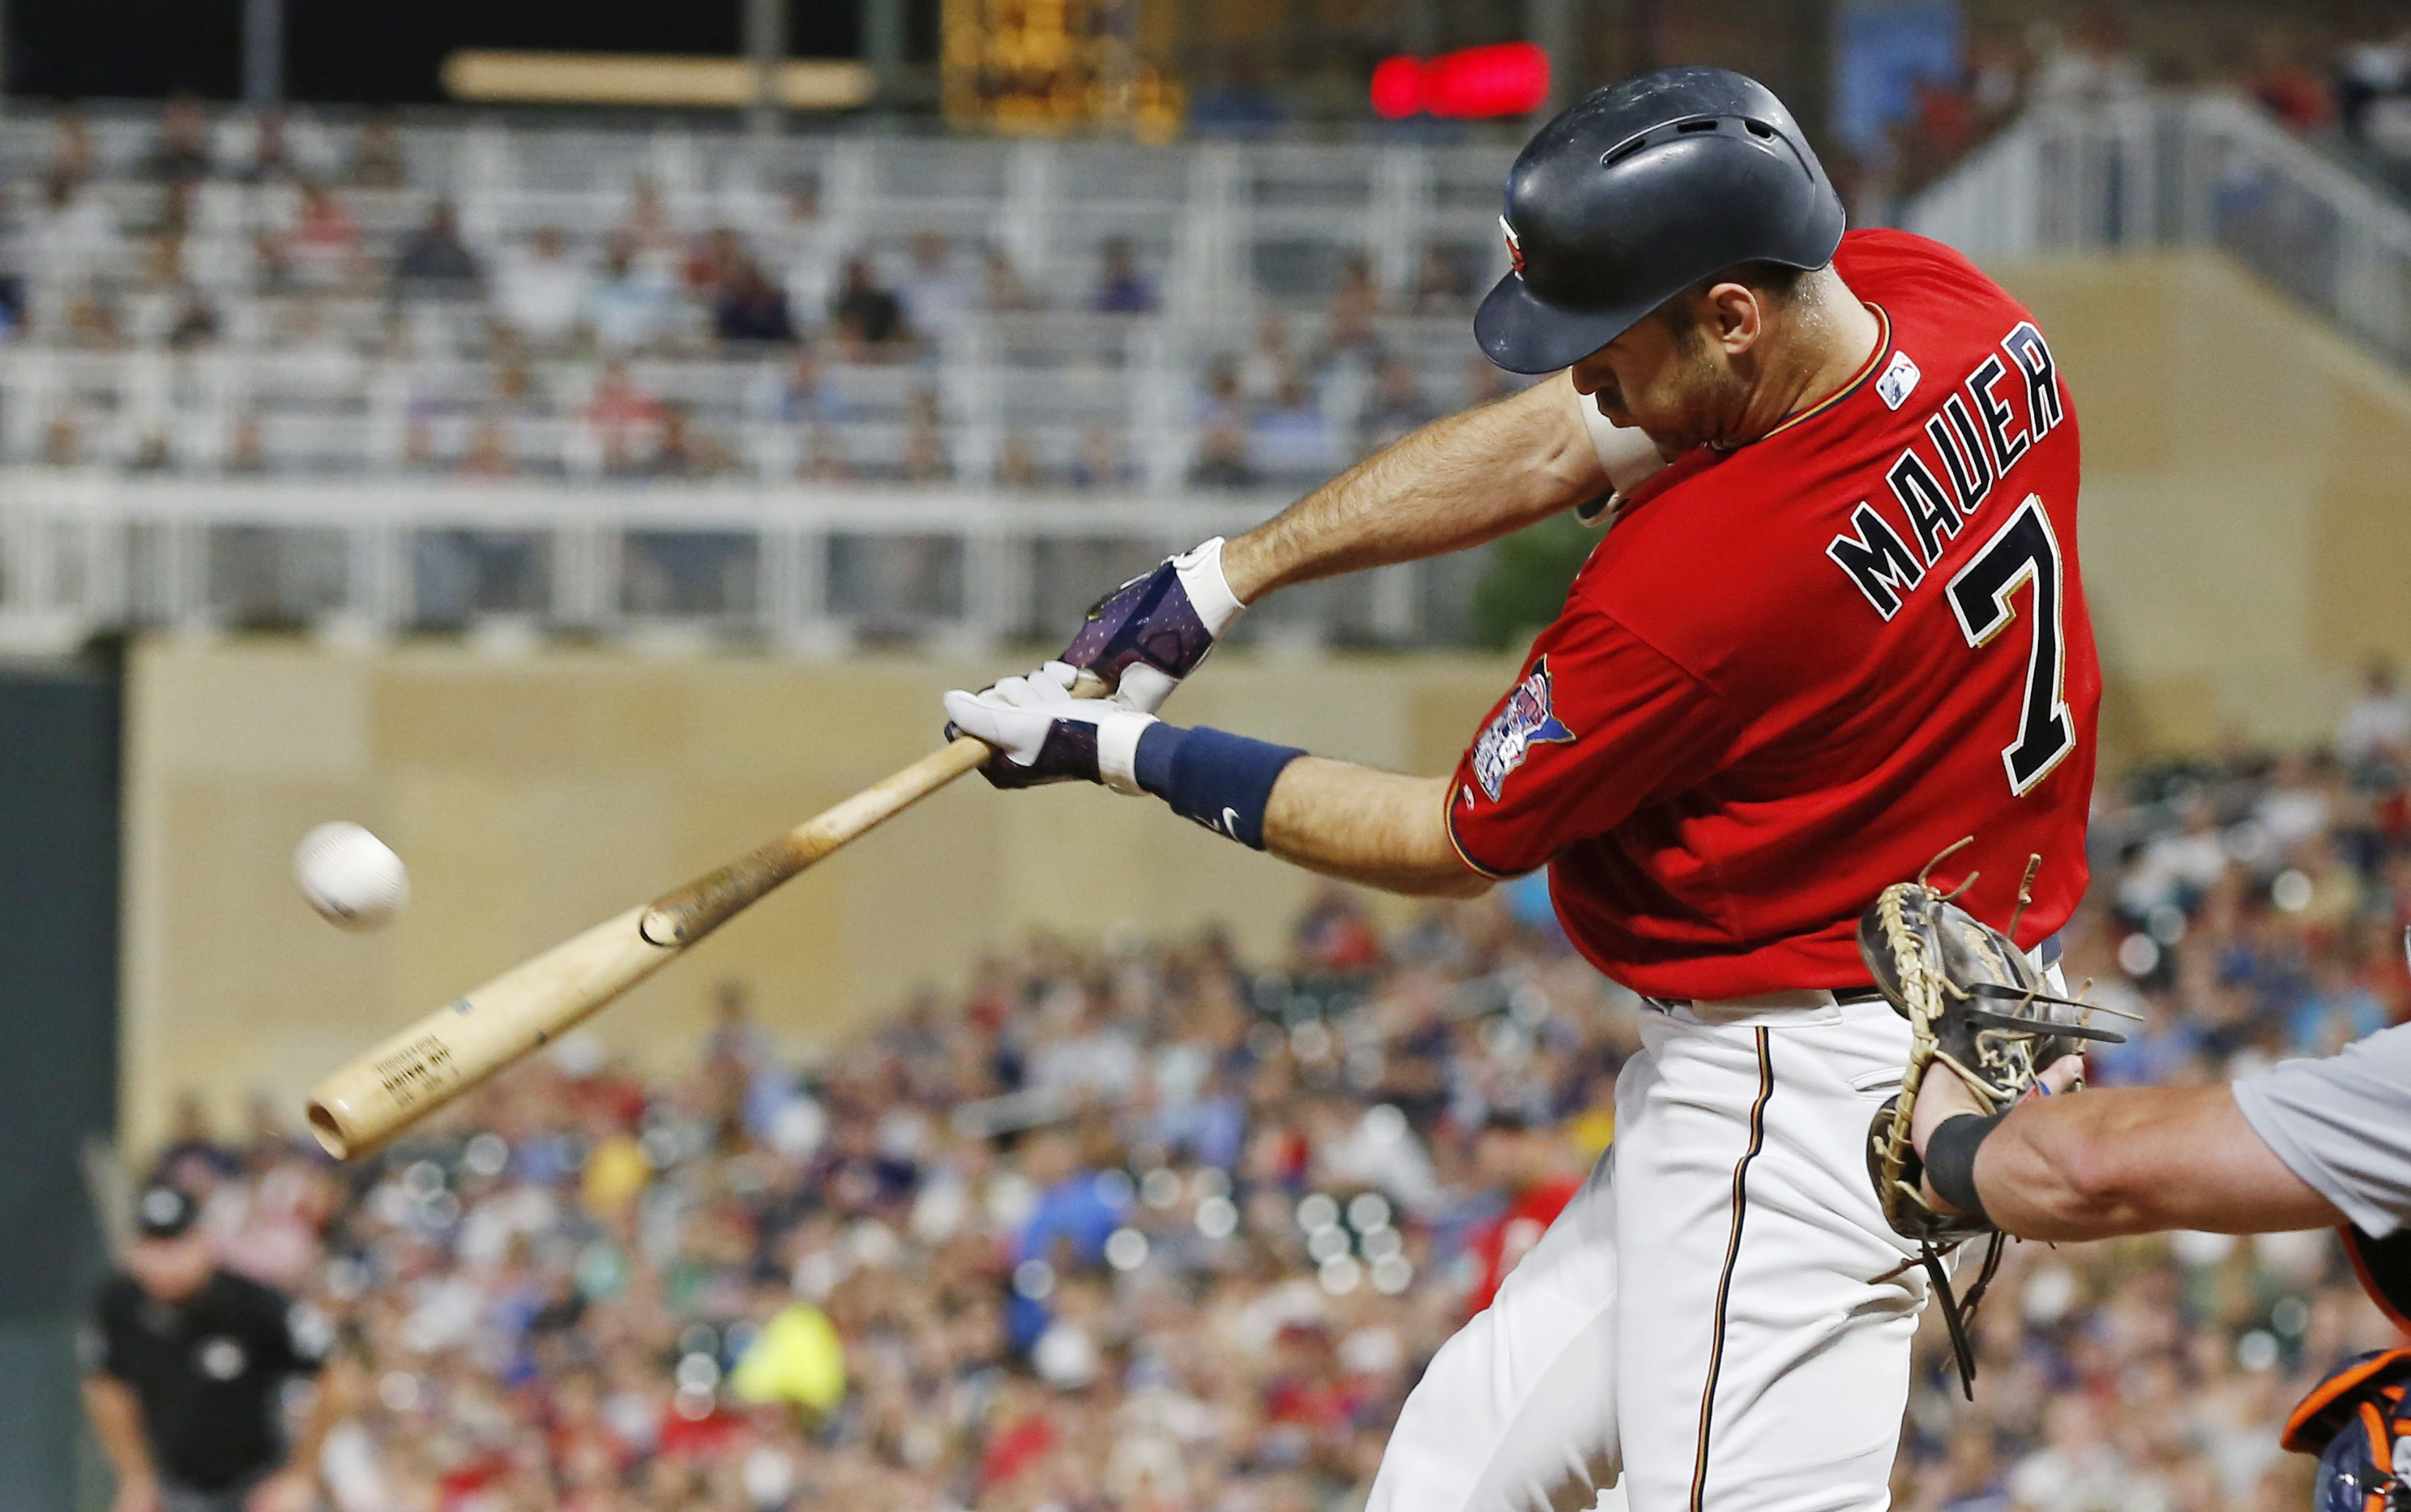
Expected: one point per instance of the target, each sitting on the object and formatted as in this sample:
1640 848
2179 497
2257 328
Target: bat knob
665 927
329 1130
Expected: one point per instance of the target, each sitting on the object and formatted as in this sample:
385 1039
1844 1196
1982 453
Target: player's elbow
1565 469
1440 869
1460 882
1557 463
1445 879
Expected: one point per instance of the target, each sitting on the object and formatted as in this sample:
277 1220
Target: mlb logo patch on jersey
1898 382
1530 717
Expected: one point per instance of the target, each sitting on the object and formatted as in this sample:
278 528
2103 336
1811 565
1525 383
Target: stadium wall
2247 522
534 796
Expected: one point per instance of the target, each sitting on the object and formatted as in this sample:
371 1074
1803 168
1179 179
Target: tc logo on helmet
1514 247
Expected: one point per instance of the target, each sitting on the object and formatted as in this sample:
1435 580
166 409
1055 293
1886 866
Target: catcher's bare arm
2304 1143
2128 1160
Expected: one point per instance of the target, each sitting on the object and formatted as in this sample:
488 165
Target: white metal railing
2186 171
82 551
1139 380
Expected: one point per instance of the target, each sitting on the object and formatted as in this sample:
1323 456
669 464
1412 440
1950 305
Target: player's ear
1735 315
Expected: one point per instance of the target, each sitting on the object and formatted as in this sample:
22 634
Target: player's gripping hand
1043 734
1146 635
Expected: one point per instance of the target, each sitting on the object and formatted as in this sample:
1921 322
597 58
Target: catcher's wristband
1951 1161
1222 780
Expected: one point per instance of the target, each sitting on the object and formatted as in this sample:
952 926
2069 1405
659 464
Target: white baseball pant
1721 1317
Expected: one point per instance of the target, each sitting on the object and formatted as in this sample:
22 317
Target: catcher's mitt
1974 1001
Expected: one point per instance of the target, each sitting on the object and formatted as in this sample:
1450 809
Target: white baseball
352 877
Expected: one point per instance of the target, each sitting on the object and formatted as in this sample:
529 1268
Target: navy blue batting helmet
2353 1421
1640 190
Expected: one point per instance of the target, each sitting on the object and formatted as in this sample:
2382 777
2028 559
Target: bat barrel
363 1105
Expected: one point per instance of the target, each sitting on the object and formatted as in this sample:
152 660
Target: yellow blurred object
797 1357
1048 68
616 1172
1592 1130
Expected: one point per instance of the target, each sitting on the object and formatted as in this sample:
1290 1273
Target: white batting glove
1042 734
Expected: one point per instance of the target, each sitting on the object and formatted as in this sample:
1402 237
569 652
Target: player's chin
1670 442
1671 436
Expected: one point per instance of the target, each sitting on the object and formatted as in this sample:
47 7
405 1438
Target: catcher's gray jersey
2343 1123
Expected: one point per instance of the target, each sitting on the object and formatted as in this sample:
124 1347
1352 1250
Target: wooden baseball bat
364 1104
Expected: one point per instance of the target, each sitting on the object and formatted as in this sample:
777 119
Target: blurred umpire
186 1369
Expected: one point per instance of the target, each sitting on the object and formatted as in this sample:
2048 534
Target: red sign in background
1504 78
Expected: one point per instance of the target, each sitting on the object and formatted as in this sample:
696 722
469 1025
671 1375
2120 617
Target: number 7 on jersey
2023 551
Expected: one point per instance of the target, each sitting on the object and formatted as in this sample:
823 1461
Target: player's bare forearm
1368 826
2131 1160
1457 482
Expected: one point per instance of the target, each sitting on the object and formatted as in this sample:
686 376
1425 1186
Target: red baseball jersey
1791 673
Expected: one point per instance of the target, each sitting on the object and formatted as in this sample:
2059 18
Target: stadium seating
156 317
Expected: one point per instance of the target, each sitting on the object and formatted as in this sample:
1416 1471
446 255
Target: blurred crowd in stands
2348 88
667 344
1149 1225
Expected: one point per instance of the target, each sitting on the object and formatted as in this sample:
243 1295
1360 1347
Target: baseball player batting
1833 627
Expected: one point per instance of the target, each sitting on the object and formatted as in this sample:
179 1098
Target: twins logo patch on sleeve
1530 717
